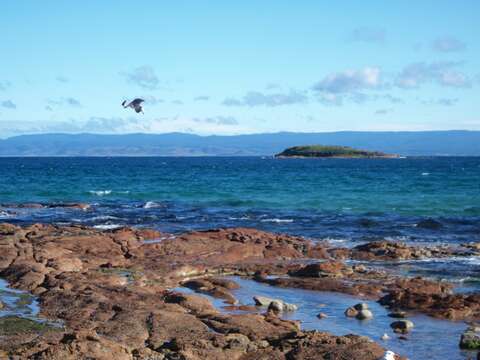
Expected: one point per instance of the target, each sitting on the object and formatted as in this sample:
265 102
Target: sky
225 67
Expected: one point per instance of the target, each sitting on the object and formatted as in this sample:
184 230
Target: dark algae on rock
330 151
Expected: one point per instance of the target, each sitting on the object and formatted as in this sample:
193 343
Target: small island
330 151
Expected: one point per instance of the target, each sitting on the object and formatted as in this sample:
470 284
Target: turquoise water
415 186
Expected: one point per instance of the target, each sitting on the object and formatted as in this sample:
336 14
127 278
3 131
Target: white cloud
350 81
442 73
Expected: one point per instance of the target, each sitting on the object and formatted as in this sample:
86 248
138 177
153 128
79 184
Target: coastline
121 291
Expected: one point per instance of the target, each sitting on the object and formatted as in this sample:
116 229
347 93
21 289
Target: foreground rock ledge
111 291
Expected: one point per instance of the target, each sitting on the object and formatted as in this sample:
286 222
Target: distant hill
457 143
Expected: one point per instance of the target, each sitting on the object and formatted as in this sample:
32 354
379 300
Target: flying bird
135 104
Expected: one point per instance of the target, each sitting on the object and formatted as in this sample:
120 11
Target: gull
135 104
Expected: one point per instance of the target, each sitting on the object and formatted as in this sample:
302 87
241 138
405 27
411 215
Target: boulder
361 306
470 339
402 326
364 315
351 312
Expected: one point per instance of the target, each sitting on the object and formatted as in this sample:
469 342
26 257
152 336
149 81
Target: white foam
239 218
107 226
278 221
151 205
425 173
100 192
104 217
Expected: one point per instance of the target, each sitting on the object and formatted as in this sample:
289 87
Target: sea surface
344 201
431 200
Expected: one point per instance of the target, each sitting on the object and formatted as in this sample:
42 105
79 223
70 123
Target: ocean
434 200
344 201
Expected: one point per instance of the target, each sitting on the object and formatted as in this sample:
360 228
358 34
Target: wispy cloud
143 76
257 98
368 35
69 101
383 111
442 73
8 104
4 85
202 98
448 44
153 100
219 120
442 102
62 79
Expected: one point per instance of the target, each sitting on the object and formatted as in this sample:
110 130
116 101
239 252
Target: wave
100 192
239 218
151 205
103 217
278 221
5 214
107 226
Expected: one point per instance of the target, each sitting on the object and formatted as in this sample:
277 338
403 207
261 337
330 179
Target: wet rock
107 317
430 224
361 306
2 305
402 326
351 312
262 300
322 316
433 298
470 339
276 306
322 269
385 337
398 314
364 315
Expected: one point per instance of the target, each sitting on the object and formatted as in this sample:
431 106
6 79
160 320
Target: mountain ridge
407 143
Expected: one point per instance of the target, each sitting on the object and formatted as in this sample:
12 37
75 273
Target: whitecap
107 226
278 221
239 218
151 205
100 192
425 173
103 217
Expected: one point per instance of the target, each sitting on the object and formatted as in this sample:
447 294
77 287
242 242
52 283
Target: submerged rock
470 339
398 314
322 316
430 224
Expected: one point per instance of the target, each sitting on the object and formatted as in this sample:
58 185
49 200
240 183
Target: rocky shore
112 291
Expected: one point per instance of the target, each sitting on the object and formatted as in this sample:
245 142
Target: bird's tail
124 102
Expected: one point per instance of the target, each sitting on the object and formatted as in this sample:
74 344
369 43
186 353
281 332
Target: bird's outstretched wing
137 101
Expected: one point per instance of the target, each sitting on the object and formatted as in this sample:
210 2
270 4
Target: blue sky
223 67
